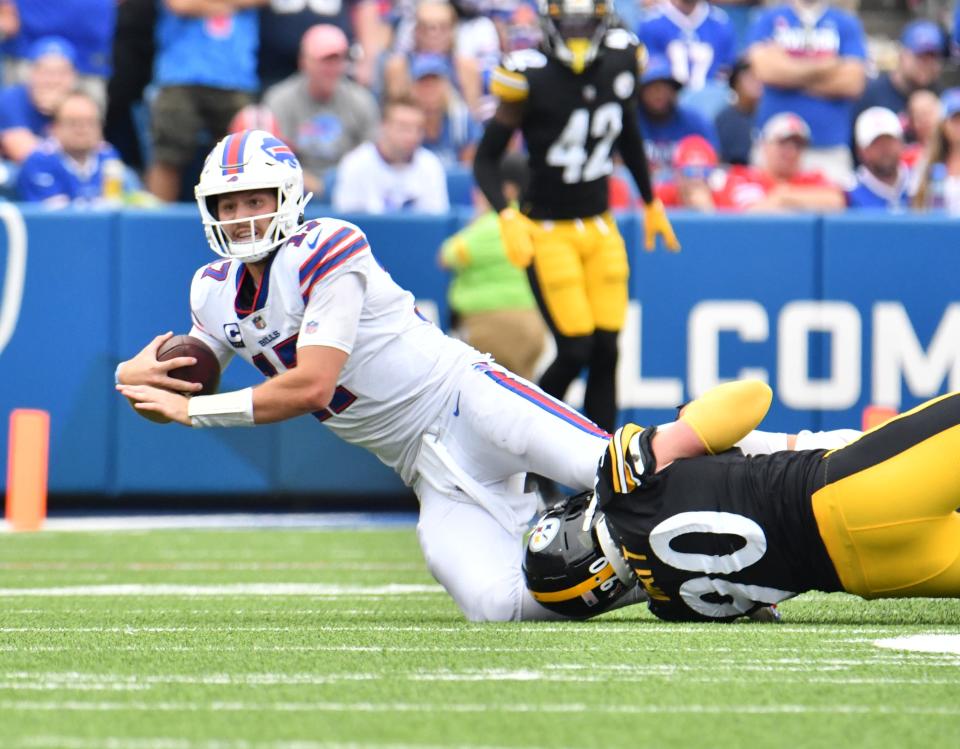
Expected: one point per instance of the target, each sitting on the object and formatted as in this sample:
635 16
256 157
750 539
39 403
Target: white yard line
229 589
116 742
923 643
225 706
354 520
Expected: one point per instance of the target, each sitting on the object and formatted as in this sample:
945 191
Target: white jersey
401 368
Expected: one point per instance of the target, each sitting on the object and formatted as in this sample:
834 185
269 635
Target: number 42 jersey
400 369
572 122
715 537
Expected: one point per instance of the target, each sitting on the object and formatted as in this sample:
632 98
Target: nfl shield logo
311 327
259 323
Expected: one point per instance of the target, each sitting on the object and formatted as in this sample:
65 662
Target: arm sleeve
486 164
332 314
630 146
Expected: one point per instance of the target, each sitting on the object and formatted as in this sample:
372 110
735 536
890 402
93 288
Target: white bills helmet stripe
251 160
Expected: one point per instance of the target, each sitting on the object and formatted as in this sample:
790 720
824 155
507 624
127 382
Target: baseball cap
874 122
694 151
785 125
659 69
950 100
324 40
52 45
924 37
429 64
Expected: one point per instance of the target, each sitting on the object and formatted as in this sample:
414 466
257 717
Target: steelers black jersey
717 536
571 123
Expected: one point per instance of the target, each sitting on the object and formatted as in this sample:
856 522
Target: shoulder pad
524 59
620 39
320 247
509 80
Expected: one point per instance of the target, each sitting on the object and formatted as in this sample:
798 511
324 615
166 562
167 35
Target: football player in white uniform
308 305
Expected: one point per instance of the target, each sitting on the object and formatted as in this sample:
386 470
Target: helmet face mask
565 567
573 30
241 162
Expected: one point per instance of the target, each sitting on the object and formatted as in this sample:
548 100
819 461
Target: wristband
233 409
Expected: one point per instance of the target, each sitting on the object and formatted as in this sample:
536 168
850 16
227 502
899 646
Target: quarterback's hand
146 369
655 222
517 233
158 401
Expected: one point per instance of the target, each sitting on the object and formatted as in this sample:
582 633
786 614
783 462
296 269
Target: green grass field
293 639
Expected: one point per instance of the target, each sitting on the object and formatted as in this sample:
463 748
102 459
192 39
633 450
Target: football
207 369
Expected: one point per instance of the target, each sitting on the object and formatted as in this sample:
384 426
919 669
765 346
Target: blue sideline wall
836 313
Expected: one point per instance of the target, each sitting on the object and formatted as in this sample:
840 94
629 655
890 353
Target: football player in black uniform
716 537
575 102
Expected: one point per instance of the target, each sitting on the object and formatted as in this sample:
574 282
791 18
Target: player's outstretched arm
306 388
146 369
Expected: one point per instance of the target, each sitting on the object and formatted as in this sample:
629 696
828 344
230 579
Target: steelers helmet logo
544 533
624 84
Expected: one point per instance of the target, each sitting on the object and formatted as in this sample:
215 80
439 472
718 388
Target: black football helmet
566 568
573 30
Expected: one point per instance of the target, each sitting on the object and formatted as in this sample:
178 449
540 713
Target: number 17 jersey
571 122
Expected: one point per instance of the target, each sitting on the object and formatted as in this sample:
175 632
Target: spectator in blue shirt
663 120
881 178
450 131
736 123
75 165
87 24
923 49
205 72
810 58
700 42
26 109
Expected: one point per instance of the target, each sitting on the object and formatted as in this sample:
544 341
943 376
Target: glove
627 464
655 222
516 231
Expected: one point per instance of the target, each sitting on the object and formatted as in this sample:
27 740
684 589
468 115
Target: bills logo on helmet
277 149
544 533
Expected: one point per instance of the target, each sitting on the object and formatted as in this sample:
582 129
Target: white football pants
471 467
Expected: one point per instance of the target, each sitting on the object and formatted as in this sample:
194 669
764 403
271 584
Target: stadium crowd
742 107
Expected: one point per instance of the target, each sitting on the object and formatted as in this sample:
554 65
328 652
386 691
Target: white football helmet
251 160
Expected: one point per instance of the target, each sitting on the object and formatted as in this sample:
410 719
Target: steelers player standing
574 100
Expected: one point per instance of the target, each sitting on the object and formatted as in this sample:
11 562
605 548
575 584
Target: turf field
304 639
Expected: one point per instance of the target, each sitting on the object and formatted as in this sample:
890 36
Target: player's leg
474 558
508 425
606 273
558 284
887 507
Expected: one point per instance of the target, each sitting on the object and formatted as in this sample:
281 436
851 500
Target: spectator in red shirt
695 170
779 184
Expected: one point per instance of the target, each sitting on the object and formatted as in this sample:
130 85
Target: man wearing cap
26 109
695 171
450 131
780 184
88 25
321 113
923 49
663 120
810 57
395 173
881 177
